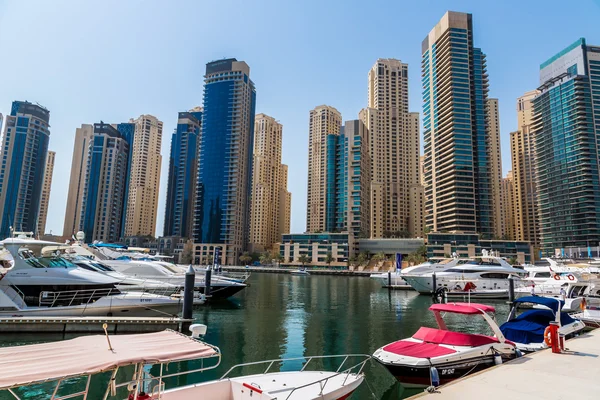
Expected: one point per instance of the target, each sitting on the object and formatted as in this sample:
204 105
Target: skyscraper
507 209
324 121
394 150
566 130
144 181
183 162
104 185
83 138
46 192
24 150
270 197
493 123
522 146
458 191
222 210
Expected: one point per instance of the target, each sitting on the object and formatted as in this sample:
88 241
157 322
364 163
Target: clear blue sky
108 60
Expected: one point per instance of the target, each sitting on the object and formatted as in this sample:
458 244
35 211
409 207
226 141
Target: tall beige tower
394 148
144 180
45 199
324 120
269 206
507 210
523 155
83 137
493 124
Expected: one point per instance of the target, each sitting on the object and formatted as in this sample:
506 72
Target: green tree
277 257
513 261
186 256
303 259
246 258
329 259
265 258
362 259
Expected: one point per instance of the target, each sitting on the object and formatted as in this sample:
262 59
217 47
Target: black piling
207 283
188 293
511 289
389 280
434 288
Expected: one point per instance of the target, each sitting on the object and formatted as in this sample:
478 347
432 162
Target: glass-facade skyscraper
458 188
23 164
566 130
182 174
221 217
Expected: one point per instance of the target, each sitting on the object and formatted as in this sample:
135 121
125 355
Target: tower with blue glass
182 174
224 172
566 131
23 163
457 166
105 184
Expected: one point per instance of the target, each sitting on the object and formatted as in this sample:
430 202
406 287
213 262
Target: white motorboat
437 356
300 272
53 286
434 265
489 273
527 329
87 356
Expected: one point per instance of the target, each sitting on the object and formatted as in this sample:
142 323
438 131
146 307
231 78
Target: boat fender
435 377
547 339
497 359
570 277
583 304
556 277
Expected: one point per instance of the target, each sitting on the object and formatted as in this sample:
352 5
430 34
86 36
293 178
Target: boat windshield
50 262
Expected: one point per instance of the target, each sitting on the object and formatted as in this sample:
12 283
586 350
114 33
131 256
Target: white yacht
32 284
479 273
434 265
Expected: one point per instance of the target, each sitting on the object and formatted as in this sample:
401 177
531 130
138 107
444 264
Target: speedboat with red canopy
437 356
145 360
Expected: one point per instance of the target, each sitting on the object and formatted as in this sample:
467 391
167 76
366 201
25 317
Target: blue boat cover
549 302
109 245
529 327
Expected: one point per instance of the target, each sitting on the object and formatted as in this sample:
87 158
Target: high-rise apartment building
324 121
270 197
522 147
566 130
144 180
45 200
181 184
394 150
222 209
507 209
458 176
493 122
105 183
83 138
23 163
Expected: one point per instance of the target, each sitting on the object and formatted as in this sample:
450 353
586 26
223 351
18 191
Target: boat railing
357 368
15 293
76 297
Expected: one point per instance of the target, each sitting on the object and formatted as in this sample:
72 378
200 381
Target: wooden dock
89 324
541 375
286 270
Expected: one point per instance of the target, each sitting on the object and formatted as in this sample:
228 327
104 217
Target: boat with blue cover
527 329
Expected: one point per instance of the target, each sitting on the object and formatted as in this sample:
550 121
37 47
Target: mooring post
511 289
207 283
188 293
434 283
389 280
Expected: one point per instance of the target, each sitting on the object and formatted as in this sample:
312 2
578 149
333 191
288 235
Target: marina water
284 316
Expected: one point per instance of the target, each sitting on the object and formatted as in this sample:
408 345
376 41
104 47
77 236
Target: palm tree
303 259
362 259
245 258
328 259
278 257
265 258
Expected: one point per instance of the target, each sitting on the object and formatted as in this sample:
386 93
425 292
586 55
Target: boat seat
439 336
417 349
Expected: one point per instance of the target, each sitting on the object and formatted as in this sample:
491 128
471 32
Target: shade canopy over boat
463 308
87 355
549 302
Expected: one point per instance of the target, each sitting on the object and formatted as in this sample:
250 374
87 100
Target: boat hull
411 376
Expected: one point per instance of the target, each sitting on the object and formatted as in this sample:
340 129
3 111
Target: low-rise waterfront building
316 246
390 246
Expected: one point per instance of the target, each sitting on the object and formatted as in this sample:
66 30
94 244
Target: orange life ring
556 277
547 339
570 277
